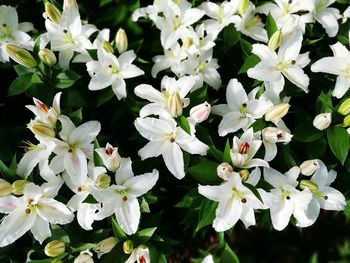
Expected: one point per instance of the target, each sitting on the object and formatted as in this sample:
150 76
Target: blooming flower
139 255
236 202
33 211
121 199
167 139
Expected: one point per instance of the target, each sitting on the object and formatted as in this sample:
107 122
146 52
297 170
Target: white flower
208 259
323 196
167 139
111 71
287 63
340 66
140 255
71 153
33 211
121 199
284 200
241 109
244 149
12 32
236 202
160 99
322 121
110 157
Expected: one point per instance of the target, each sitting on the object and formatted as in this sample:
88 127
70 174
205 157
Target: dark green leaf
249 62
254 190
271 26
184 124
59 234
118 232
206 213
324 103
20 84
338 140
227 155
205 171
198 96
306 132
231 36
66 79
20 70
143 235
228 256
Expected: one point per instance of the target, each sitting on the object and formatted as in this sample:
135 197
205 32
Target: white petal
290 48
141 184
265 54
263 71
341 87
313 210
67 127
329 22
119 88
149 93
86 215
40 229
64 57
124 172
193 146
173 159
76 166
227 214
339 50
280 216
127 57
247 216
76 201
128 215
335 199
235 95
254 176
151 149
152 128
99 82
322 65
85 133
7 204
232 122
301 200
212 192
270 151
151 109
54 212
297 76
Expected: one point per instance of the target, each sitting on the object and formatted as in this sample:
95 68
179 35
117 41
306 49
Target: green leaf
249 62
246 46
198 96
219 155
6 172
254 190
59 234
338 140
271 26
324 103
144 206
205 171
36 79
81 247
20 70
93 53
306 132
227 155
231 36
104 96
20 84
97 159
66 79
77 116
118 232
143 235
184 124
206 213
228 256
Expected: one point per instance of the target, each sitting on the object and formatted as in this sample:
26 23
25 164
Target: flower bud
128 246
243 6
175 104
20 55
344 108
105 246
308 184
18 186
244 174
346 121
309 167
47 57
52 12
110 157
70 3
83 258
41 129
55 248
274 135
277 112
121 41
275 40
107 47
5 187
322 121
103 181
224 171
200 112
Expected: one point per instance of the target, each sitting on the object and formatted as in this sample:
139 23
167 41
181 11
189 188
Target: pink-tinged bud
274 135
244 148
175 104
20 55
224 171
200 112
121 41
309 167
5 187
322 121
110 157
277 112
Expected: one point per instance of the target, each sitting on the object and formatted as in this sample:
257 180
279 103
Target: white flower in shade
250 24
323 196
284 200
110 157
76 146
236 202
346 15
111 71
340 66
204 67
241 109
286 63
161 100
121 199
322 121
12 32
208 259
244 149
326 16
222 15
139 255
271 136
175 21
68 35
33 211
167 139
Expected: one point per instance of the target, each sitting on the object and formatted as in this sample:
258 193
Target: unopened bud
308 184
309 167
55 248
277 112
83 258
121 41
107 47
110 157
344 108
275 40
52 12
243 6
105 246
224 171
18 186
175 104
5 187
70 3
128 246
103 181
200 112
244 174
346 121
47 57
41 129
322 121
20 55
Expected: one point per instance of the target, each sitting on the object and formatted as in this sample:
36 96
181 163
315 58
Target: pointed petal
54 212
280 216
124 171
335 199
7 204
227 214
40 229
152 128
141 184
85 133
119 88
341 87
151 149
65 57
128 215
149 93
297 76
247 216
86 215
76 166
173 159
232 122
212 192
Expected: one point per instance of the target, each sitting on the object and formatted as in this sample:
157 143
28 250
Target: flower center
244 148
285 194
236 194
142 259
